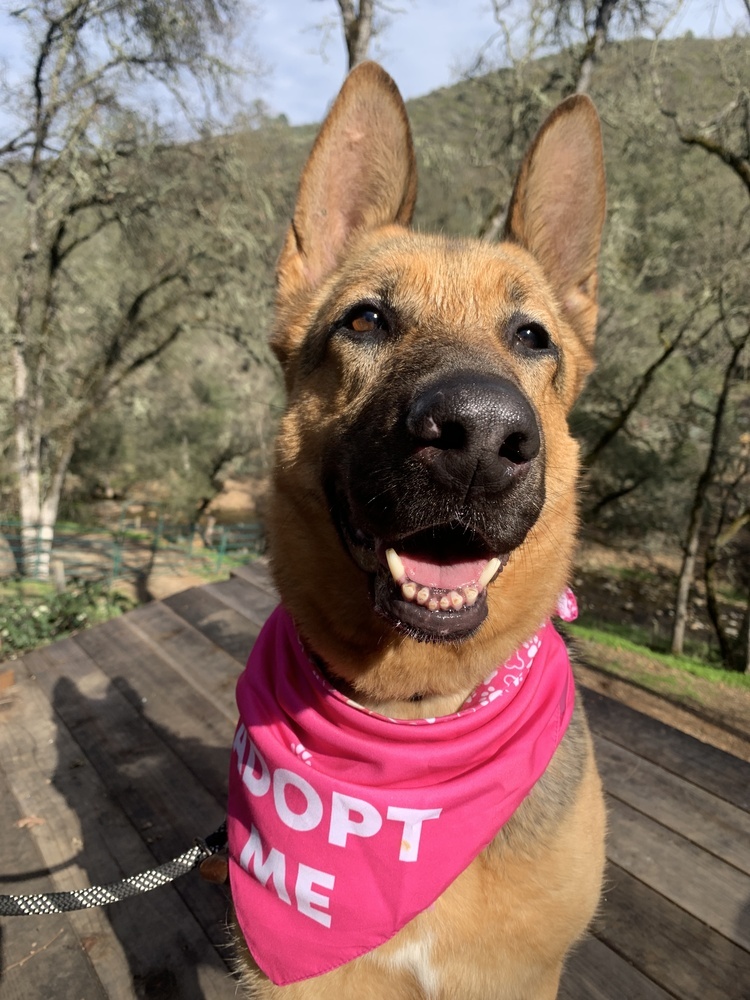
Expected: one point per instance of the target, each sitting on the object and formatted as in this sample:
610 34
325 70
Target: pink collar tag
343 824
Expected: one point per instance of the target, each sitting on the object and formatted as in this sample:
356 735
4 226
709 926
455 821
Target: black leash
134 885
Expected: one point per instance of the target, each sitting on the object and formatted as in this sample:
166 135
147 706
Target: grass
658 643
207 568
33 614
687 664
11 590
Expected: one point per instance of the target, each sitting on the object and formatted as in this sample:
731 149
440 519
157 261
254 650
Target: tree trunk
733 651
687 572
357 29
712 603
28 453
39 510
594 45
37 507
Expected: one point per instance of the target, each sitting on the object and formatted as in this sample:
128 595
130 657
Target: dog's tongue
442 576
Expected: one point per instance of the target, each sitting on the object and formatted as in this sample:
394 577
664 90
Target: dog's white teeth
441 600
470 596
488 572
395 566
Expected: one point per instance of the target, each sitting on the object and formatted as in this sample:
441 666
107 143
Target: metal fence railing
142 538
239 539
38 551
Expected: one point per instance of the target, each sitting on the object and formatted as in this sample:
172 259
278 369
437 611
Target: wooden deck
114 749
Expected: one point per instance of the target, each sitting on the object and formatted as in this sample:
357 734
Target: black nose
474 431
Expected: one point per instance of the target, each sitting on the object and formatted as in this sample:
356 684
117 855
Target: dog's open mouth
433 584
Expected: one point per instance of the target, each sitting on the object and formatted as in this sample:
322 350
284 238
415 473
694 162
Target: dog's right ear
557 208
361 174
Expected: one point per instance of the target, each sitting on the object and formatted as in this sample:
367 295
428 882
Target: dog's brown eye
365 320
532 336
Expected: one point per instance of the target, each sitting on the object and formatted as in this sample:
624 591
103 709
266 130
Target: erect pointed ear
361 174
557 208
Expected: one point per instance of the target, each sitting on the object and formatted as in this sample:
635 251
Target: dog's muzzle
431 494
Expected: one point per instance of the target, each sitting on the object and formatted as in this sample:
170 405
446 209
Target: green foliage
34 615
200 414
620 637
678 229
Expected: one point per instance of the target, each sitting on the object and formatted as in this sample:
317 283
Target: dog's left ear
361 174
557 208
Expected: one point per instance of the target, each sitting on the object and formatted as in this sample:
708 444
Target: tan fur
503 927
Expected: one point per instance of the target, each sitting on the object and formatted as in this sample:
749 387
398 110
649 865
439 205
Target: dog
421 531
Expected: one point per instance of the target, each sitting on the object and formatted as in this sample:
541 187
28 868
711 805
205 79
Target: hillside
677 232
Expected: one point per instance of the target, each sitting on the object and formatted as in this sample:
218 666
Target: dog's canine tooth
470 596
409 590
423 595
395 566
488 572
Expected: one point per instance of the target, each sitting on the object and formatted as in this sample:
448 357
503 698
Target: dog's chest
414 957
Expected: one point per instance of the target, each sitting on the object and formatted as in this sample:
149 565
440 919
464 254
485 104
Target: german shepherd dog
424 510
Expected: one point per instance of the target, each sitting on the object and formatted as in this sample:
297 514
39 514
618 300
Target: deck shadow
144 788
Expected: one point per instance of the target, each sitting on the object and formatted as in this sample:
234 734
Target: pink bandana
344 824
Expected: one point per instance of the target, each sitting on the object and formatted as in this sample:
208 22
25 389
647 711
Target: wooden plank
225 627
181 662
35 951
595 972
249 600
85 838
703 818
141 772
680 953
706 887
257 573
196 730
704 765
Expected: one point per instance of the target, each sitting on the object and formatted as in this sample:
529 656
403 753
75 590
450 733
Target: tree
95 187
357 21
593 23
646 378
725 136
706 478
578 30
361 22
727 535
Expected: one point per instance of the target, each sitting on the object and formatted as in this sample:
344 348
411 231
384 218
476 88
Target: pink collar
343 823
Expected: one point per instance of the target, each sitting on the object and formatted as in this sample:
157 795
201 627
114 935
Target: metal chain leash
100 895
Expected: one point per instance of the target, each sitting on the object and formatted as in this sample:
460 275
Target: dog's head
424 487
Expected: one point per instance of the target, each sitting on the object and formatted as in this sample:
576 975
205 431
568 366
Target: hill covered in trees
664 422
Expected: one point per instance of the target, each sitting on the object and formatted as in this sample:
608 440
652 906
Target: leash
134 885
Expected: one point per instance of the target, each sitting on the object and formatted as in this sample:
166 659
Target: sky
424 47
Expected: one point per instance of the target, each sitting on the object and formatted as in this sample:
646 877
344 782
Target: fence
142 538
